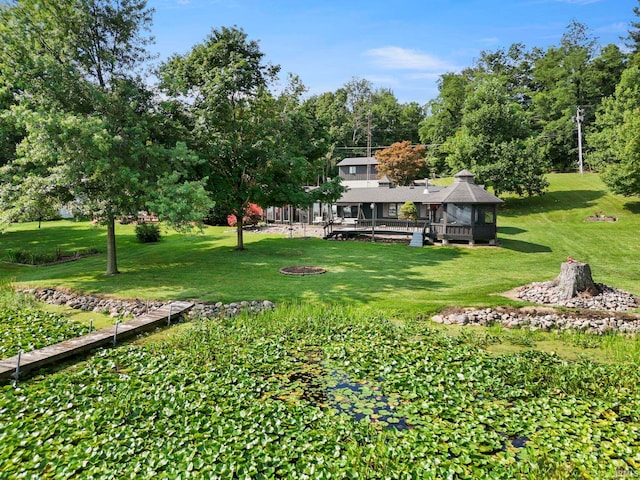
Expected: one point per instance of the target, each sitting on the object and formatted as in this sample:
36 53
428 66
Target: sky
402 45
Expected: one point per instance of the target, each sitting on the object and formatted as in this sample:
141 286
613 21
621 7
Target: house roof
386 195
347 162
464 190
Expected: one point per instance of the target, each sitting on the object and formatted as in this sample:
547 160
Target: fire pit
302 270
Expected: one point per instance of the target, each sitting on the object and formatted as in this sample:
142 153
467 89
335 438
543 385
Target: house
463 211
359 172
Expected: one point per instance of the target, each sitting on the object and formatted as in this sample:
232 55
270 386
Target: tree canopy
258 147
615 140
494 142
92 133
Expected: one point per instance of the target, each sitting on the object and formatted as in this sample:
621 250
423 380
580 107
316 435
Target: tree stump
574 279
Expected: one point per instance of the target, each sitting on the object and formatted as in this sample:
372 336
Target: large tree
615 141
259 147
563 80
91 126
444 118
495 142
633 37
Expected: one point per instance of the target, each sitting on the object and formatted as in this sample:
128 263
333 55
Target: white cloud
619 27
396 58
424 76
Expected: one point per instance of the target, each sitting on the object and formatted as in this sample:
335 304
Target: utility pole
369 134
579 118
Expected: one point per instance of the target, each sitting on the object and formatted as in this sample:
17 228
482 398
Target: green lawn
537 235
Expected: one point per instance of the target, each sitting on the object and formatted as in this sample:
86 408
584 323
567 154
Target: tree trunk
574 279
112 264
240 232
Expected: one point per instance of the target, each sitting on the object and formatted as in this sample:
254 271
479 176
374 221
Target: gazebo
463 211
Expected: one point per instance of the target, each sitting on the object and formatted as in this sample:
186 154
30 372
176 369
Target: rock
134 307
528 318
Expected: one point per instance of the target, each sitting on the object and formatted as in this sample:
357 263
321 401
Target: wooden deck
53 353
381 227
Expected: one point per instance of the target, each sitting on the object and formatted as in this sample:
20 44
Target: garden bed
43 259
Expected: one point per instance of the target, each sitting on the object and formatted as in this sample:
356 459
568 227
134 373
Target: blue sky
403 45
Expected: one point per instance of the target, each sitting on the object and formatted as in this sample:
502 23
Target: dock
85 343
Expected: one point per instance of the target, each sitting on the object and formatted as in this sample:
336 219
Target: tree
443 119
494 142
92 132
402 162
633 38
258 147
562 78
615 141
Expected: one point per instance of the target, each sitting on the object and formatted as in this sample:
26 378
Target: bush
148 232
409 211
216 216
27 257
252 216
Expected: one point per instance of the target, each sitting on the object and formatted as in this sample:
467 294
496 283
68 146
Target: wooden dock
54 353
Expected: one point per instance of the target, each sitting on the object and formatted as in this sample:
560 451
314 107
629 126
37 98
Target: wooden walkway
53 353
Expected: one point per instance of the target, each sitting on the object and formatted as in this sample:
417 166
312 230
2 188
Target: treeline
511 117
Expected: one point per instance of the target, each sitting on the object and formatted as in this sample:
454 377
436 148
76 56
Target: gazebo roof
464 190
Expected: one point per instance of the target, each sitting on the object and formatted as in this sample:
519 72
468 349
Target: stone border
542 318
136 307
607 299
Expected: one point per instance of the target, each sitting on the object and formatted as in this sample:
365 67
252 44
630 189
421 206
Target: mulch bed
301 270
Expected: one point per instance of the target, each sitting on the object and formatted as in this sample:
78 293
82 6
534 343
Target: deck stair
417 239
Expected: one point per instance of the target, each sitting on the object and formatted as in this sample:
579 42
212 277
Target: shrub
252 216
148 232
409 211
27 257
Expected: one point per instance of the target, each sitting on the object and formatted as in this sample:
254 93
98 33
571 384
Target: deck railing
382 224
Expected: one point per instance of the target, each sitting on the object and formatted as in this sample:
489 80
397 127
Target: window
460 214
352 170
393 210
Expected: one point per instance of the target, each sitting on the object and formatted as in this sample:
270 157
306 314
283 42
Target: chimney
426 186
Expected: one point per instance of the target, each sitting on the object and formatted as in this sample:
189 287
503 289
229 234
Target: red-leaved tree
252 215
402 163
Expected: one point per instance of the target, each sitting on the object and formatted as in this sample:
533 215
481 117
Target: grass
98 320
572 346
537 234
